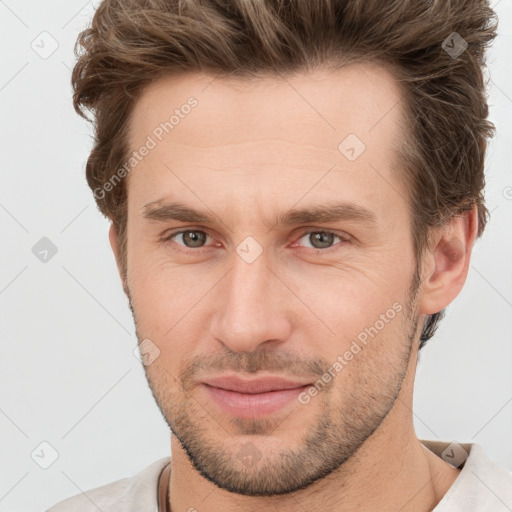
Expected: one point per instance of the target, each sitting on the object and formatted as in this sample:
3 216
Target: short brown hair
132 43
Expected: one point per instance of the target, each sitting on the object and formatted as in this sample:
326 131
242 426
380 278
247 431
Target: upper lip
261 385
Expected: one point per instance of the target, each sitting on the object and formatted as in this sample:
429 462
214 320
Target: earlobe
445 268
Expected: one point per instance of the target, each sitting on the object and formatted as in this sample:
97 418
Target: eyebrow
325 213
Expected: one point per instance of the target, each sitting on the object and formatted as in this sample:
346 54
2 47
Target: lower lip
246 405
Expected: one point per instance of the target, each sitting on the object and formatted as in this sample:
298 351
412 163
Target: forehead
362 97
268 131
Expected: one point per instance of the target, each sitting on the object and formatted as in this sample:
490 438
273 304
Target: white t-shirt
482 486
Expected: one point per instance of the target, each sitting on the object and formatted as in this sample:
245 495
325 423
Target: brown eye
191 238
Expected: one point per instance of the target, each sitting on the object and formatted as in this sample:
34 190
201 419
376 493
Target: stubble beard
341 425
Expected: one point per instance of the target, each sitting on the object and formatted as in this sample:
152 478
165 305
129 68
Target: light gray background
69 375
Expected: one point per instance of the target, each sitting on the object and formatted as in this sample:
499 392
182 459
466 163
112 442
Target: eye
189 238
321 239
196 239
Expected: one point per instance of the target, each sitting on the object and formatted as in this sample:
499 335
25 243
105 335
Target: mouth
252 399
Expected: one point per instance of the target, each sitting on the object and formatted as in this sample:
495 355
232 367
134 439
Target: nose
252 307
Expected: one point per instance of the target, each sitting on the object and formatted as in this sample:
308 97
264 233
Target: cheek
360 315
370 353
347 296
167 299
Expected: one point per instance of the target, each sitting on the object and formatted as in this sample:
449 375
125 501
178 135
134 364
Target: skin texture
248 151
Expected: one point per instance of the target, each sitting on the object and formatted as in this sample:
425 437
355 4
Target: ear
113 236
445 267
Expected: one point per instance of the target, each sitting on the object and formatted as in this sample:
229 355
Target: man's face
249 294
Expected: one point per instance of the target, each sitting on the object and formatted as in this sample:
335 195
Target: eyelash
188 250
